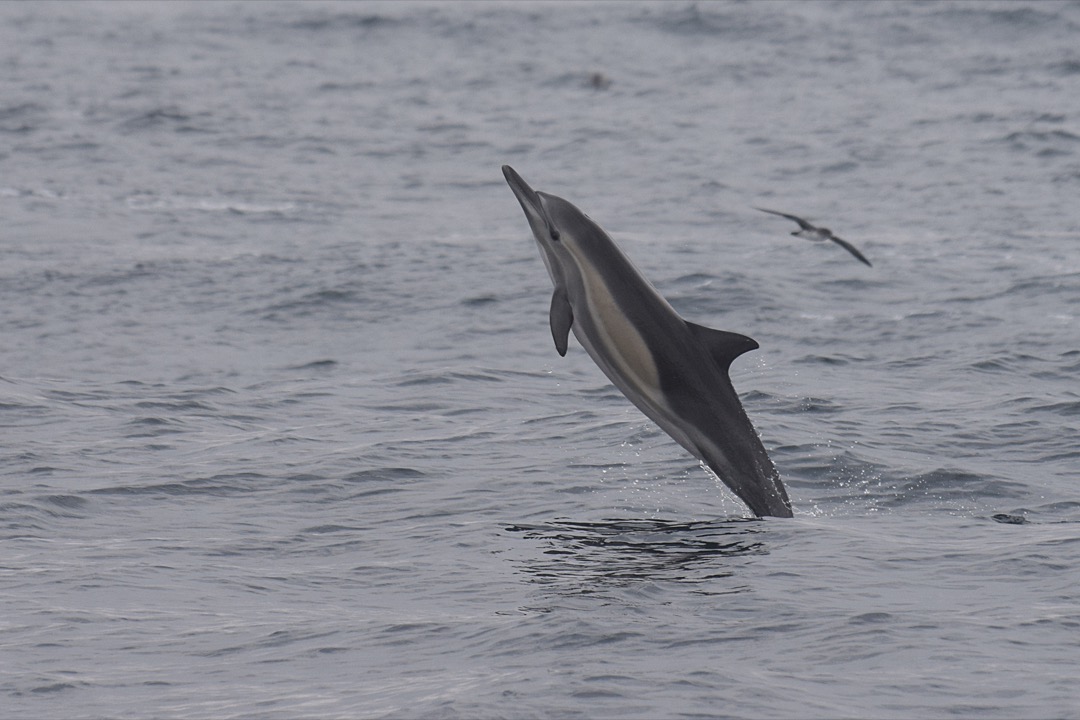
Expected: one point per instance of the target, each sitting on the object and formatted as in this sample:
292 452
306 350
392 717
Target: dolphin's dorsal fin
724 346
562 317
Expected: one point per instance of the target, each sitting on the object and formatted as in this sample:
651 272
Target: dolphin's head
560 228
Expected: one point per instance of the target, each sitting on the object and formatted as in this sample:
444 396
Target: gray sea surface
284 432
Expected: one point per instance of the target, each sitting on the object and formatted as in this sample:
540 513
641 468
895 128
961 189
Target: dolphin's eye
555 234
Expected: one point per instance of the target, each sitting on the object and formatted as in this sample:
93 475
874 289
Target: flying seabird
811 232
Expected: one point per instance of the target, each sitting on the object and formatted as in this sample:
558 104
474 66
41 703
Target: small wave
315 365
1005 21
949 486
693 19
445 377
1067 408
377 482
152 427
384 473
346 86
54 687
226 484
823 360
1065 68
313 302
21 118
479 300
323 22
328 529
160 118
1044 143
34 516
179 406
68 502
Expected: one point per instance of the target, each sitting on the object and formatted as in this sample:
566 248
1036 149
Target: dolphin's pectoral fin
562 317
722 345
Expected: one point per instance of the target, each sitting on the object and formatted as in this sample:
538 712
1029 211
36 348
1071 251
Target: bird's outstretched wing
851 249
802 223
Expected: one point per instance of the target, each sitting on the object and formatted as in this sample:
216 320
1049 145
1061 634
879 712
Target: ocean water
284 433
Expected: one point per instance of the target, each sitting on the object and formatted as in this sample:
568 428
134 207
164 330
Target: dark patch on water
619 551
871 618
315 365
177 406
343 21
21 118
479 300
223 485
946 484
386 473
53 688
67 502
163 117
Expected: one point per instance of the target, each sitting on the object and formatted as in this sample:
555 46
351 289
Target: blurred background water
285 434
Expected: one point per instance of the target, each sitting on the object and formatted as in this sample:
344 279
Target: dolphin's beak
530 201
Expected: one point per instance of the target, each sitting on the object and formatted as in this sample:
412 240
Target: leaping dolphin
812 232
674 371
